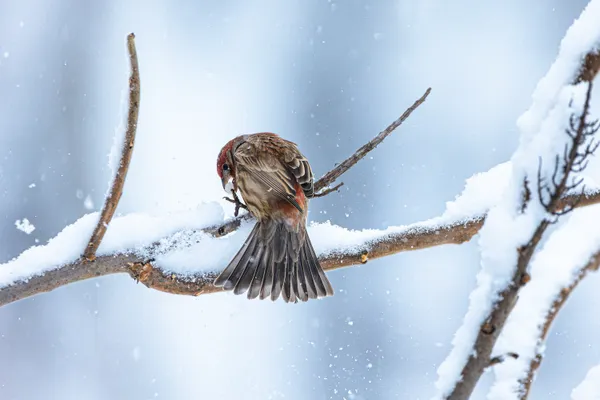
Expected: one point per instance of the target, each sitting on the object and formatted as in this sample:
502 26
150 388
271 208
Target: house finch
275 180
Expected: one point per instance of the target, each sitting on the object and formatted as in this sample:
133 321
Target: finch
275 181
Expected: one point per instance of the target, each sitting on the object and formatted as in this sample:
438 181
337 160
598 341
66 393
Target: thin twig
328 190
335 173
112 199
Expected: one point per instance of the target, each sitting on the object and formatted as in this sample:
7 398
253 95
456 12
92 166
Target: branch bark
116 190
335 173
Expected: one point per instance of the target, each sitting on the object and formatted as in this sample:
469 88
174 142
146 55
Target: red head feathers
222 158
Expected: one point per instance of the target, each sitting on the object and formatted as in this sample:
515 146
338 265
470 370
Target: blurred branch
116 190
559 302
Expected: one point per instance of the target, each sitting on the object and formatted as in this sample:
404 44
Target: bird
275 181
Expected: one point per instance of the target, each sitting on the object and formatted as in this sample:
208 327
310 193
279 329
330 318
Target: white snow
129 233
31 186
589 389
114 156
542 135
25 226
555 267
481 192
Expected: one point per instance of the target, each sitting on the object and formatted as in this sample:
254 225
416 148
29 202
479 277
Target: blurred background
328 75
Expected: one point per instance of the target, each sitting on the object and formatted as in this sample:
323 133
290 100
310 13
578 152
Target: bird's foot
238 204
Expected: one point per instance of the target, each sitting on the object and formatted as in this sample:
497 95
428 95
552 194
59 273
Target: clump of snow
327 238
25 226
481 192
31 186
136 231
589 389
581 37
130 233
62 249
555 267
542 135
190 254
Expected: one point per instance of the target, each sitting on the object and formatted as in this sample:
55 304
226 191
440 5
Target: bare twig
557 305
116 189
335 173
328 190
574 159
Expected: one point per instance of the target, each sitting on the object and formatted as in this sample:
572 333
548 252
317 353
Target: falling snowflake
24 226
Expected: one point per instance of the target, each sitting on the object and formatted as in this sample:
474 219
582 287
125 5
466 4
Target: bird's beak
227 183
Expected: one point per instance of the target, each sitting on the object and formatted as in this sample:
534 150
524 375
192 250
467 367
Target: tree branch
557 305
116 190
490 329
335 173
417 236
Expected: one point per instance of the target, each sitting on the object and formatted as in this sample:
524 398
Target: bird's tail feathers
274 261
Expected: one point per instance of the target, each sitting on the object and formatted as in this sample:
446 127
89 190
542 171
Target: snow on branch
514 227
570 253
185 258
589 388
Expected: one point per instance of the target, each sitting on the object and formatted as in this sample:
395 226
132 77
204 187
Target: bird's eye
225 167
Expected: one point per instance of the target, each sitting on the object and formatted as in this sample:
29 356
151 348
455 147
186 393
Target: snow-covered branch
175 254
515 226
570 253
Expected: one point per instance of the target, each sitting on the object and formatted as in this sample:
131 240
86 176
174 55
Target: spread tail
275 261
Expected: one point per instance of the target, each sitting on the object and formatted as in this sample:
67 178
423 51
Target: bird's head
226 163
225 167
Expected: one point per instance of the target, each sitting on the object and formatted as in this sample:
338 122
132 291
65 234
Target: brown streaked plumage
274 179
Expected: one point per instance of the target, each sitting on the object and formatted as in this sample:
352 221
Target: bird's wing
268 169
300 168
